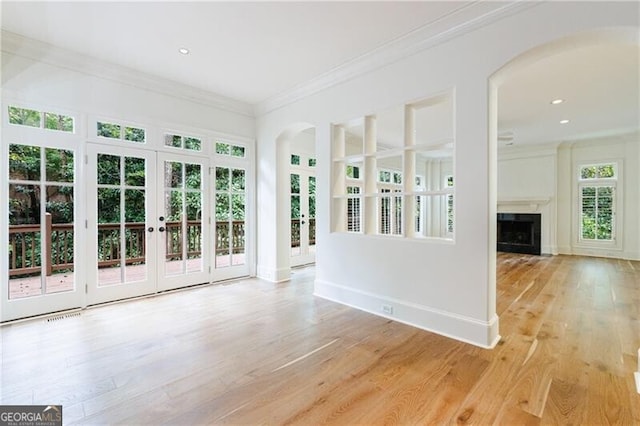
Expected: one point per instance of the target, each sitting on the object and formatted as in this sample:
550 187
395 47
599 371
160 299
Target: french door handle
161 229
150 229
302 223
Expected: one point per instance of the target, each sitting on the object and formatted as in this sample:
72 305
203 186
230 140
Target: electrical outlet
387 309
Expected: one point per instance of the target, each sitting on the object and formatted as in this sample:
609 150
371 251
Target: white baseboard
466 329
637 374
274 275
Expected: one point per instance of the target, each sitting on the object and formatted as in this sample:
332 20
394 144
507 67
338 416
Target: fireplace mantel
533 203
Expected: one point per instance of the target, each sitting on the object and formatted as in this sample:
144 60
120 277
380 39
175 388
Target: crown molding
459 22
63 58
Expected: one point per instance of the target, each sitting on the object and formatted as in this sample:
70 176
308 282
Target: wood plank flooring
253 352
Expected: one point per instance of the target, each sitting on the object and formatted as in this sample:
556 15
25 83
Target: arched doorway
295 197
555 111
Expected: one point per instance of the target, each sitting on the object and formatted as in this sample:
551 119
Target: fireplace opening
519 232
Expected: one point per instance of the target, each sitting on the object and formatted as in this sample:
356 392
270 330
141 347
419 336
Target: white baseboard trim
274 275
637 375
469 330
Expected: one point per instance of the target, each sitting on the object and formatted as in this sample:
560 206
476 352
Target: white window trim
618 223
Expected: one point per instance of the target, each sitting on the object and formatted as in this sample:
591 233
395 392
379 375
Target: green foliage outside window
602 171
108 130
24 117
353 172
58 122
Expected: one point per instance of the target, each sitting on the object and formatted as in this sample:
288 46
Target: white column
370 175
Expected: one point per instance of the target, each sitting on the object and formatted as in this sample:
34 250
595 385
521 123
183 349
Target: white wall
447 287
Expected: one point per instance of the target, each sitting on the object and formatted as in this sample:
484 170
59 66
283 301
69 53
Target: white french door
146 227
41 186
230 201
182 221
91 223
303 216
122 238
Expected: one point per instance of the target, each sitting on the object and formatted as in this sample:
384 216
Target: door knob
302 222
150 229
161 218
161 229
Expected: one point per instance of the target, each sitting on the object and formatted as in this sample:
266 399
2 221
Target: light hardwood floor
252 352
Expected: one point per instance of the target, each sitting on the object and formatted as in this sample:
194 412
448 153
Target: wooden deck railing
26 244
295 232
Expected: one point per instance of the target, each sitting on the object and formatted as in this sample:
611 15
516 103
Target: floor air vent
63 316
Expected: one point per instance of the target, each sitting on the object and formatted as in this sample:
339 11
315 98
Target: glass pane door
42 234
120 205
182 230
230 217
303 217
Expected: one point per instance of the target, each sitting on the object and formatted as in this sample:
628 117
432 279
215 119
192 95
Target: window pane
59 122
108 205
353 214
237 180
295 183
24 117
312 162
108 130
133 134
193 176
222 179
353 172
60 203
295 160
295 206
237 151
173 174
108 169
222 148
194 206
173 206
237 204
193 144
134 208
24 162
606 171
134 171
59 165
222 207
24 204
173 141
312 185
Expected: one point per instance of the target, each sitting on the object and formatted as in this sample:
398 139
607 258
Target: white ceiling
252 51
248 51
600 88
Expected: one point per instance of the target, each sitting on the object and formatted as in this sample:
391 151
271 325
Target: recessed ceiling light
557 101
183 50
564 121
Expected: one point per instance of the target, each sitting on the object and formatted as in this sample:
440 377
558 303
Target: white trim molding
469 330
53 55
448 27
274 275
637 374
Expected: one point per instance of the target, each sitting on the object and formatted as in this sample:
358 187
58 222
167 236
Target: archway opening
564 137
295 198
